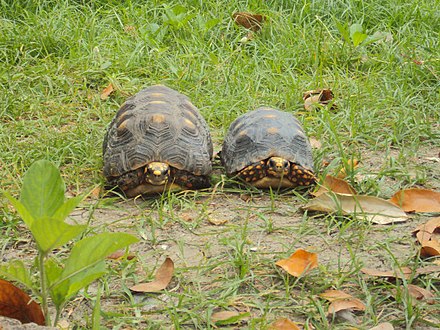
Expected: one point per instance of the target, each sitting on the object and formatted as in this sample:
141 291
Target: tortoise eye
272 163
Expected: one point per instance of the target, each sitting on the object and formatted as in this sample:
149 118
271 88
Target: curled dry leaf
119 254
341 301
332 295
336 185
402 273
352 304
162 278
430 249
16 304
383 326
299 263
351 165
417 200
374 209
429 226
428 235
318 96
107 91
253 22
421 294
283 324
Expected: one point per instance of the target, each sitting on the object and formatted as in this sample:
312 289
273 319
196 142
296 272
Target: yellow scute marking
157 102
157 95
157 118
272 130
189 123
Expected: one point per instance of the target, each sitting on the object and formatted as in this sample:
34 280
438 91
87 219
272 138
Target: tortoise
157 141
267 148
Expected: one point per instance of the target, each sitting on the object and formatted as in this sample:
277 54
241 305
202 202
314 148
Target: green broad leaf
43 189
357 38
68 206
17 272
57 293
84 278
50 233
21 209
355 28
87 252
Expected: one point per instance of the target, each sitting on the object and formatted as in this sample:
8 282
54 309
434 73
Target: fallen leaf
107 91
344 304
161 280
217 222
417 200
299 263
318 96
428 235
383 326
250 21
332 295
403 272
429 269
283 324
16 304
315 143
374 209
119 254
351 165
421 294
336 185
228 317
430 249
429 226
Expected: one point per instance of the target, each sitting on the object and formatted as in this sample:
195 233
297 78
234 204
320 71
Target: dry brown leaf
344 304
383 326
107 91
299 263
421 294
318 96
428 235
429 226
429 269
223 315
417 200
283 324
336 185
351 164
404 272
332 295
250 21
119 254
375 209
16 304
217 222
430 249
315 143
161 280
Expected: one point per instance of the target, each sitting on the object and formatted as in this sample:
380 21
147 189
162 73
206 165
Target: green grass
56 57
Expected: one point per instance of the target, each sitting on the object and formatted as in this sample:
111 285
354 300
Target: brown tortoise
157 141
268 148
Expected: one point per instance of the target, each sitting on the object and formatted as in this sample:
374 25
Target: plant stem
44 293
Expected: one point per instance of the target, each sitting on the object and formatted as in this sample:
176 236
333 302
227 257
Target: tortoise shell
158 125
263 139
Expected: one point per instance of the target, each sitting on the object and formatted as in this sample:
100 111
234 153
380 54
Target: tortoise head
157 173
277 167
